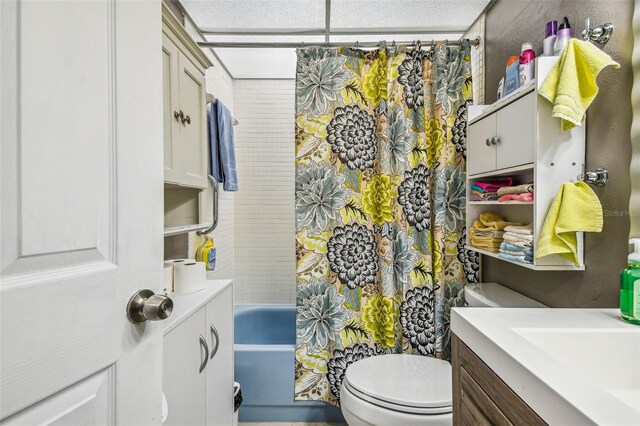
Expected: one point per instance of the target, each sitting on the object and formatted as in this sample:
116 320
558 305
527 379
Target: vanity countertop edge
185 304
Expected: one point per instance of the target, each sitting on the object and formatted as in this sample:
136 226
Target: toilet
408 390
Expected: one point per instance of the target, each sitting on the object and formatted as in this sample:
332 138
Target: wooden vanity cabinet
480 397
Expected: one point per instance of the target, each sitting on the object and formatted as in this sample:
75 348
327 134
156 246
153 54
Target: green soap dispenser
630 286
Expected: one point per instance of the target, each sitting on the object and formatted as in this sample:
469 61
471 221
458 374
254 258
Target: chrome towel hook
597 177
600 34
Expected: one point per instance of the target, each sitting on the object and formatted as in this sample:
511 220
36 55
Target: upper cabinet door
482 152
516 133
193 133
171 102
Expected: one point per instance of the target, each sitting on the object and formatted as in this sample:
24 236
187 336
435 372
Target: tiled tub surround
265 337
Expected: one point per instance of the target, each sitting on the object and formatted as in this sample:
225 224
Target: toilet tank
493 295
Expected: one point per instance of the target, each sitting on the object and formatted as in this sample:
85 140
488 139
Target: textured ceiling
232 20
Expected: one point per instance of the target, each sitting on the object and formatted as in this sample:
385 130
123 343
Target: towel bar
214 185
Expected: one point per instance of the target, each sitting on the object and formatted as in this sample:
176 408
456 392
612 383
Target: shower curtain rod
276 45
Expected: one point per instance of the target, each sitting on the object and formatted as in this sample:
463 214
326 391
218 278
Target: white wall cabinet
185 124
198 361
518 137
503 139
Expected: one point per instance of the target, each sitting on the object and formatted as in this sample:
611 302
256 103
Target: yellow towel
576 208
490 221
571 84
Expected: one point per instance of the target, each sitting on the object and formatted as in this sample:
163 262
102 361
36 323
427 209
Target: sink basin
607 358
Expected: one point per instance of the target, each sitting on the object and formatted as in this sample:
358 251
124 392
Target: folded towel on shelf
486 239
477 188
483 196
576 208
518 189
493 247
511 236
571 84
525 196
516 258
518 242
479 233
520 229
493 185
507 247
490 221
222 162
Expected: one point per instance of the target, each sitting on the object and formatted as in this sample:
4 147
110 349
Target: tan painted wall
509 23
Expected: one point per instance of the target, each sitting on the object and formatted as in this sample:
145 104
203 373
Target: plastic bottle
563 36
527 64
550 32
630 286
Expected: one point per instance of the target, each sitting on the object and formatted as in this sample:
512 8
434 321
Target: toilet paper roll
168 277
189 276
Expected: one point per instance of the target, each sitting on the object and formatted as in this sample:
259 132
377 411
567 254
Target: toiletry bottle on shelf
563 36
500 88
527 64
630 286
512 78
207 253
550 32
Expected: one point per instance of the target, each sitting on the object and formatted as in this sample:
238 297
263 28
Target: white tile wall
264 206
477 29
220 84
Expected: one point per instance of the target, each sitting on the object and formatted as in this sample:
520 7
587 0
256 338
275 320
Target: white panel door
81 211
220 367
516 130
482 153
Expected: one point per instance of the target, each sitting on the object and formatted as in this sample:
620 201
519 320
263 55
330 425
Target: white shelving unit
517 137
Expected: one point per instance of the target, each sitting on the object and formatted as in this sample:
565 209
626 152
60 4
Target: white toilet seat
397 389
402 408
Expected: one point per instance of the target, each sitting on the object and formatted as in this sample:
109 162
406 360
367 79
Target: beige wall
509 23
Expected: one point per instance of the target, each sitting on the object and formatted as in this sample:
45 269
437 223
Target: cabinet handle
488 142
215 340
494 141
179 116
186 119
203 343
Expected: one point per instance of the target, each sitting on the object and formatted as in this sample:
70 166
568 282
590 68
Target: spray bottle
630 286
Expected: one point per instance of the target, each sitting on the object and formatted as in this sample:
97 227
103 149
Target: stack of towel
518 243
487 231
516 193
488 191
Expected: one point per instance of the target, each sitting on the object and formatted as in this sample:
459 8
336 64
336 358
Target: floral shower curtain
380 198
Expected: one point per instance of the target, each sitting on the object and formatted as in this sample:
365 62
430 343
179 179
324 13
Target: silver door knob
488 142
145 305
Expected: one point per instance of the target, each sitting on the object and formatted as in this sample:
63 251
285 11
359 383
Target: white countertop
571 366
185 304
